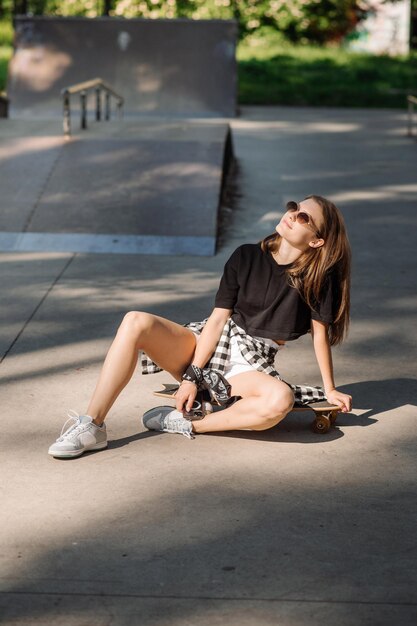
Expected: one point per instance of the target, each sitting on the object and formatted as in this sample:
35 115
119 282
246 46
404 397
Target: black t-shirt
263 303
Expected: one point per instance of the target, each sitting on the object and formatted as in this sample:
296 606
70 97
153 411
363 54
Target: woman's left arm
323 353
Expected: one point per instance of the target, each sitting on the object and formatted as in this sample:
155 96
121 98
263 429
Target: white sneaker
168 420
83 435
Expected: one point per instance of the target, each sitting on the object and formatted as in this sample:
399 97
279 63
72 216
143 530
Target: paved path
244 529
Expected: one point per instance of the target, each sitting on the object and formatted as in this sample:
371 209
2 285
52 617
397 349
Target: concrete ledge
113 244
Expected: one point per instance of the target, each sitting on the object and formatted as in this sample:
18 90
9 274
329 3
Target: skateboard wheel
321 425
333 416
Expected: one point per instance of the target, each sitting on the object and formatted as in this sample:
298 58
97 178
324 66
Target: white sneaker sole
67 454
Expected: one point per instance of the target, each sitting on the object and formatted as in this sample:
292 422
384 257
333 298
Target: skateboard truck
200 409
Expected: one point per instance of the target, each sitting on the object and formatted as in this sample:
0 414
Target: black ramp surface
161 67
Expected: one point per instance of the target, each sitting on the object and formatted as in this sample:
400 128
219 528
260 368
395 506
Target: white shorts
237 363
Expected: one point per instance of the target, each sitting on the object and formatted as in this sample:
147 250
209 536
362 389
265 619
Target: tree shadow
380 396
269 540
125 441
371 397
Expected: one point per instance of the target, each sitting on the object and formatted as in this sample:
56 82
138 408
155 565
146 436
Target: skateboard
202 404
325 413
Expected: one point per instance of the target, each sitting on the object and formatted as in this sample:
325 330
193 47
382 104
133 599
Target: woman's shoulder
245 251
249 249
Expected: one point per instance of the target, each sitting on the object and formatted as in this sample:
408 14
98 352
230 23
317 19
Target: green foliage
272 71
5 55
317 21
6 39
6 33
83 8
298 20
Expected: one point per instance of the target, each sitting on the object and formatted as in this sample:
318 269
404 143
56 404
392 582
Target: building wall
386 29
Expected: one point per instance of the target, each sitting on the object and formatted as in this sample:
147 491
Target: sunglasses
302 217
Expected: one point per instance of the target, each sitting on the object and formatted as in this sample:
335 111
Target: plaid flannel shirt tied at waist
258 353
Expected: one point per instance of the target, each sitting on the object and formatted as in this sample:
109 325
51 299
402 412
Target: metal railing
99 86
411 100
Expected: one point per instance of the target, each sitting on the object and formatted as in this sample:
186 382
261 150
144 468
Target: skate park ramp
175 68
137 187
148 184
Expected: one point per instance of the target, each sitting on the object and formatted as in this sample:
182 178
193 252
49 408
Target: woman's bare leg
265 402
169 344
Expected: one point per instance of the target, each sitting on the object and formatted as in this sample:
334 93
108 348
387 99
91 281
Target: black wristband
194 374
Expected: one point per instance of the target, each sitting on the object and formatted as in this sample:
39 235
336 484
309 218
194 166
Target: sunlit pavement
244 529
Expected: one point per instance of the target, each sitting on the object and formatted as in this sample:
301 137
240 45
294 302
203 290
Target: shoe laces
73 430
177 424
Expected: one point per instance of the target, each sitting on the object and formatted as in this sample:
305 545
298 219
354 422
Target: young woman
295 281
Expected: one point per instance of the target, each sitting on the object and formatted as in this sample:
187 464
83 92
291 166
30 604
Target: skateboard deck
325 413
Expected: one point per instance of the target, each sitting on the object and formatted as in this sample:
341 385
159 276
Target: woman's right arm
210 336
206 345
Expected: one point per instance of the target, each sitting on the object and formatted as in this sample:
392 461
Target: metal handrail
82 88
412 100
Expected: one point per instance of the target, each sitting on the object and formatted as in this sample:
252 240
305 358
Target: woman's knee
137 323
277 404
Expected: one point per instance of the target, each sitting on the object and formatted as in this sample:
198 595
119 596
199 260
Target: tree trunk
20 7
107 6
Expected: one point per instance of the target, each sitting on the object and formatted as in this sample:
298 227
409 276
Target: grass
6 38
273 71
5 54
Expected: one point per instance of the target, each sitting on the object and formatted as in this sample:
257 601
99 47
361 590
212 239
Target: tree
20 7
107 6
317 21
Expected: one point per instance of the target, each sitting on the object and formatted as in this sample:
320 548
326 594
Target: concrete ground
245 529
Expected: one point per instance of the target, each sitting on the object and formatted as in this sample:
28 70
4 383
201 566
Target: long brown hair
310 271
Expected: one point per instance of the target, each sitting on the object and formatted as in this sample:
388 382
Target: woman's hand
185 396
342 400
